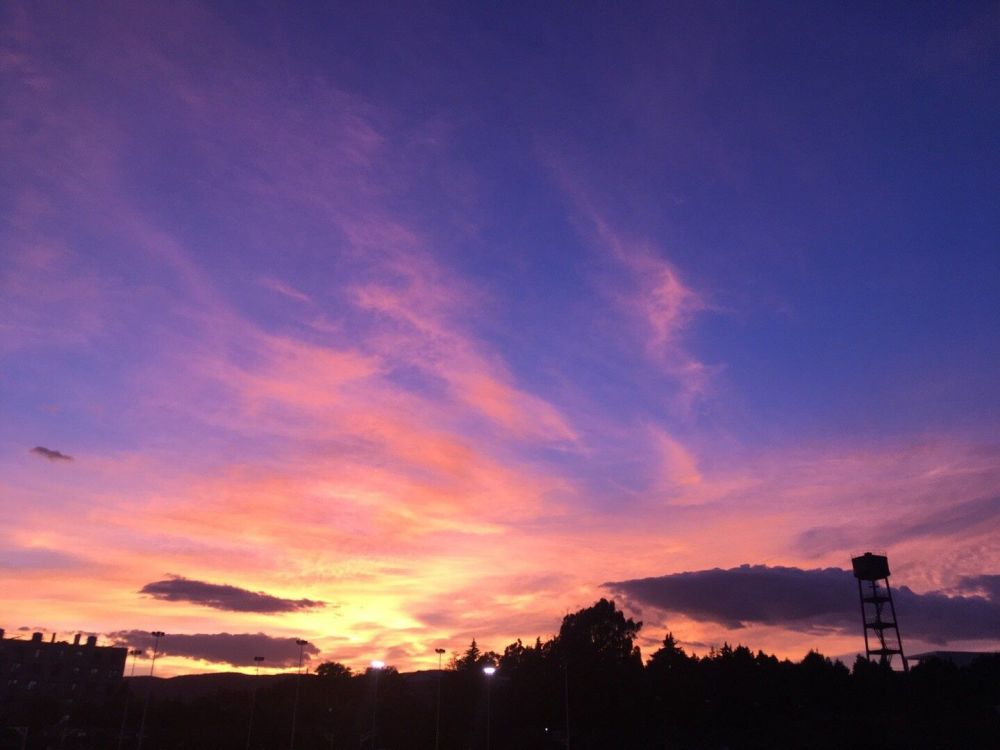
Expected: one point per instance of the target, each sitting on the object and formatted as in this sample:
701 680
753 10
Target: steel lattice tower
878 613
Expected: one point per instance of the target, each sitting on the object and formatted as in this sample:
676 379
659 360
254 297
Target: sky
389 326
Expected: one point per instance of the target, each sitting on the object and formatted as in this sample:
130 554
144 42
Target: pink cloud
426 303
654 295
679 467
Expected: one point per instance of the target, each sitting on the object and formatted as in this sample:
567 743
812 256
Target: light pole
157 635
253 698
298 686
437 721
134 653
377 666
489 672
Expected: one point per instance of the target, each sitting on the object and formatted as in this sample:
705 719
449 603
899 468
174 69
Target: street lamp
489 671
157 635
377 666
253 698
298 687
134 653
437 721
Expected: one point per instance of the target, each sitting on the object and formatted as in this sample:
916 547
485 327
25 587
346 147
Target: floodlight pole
489 671
437 721
377 666
134 653
157 635
298 687
253 699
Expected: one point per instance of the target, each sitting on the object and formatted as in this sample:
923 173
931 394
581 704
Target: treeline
591 680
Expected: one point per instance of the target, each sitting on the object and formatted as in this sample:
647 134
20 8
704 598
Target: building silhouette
59 670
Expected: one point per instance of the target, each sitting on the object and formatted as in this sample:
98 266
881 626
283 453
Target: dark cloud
50 454
237 649
811 601
962 517
223 596
987 584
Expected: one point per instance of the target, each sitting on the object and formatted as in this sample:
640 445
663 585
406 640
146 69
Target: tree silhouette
730 697
473 659
332 670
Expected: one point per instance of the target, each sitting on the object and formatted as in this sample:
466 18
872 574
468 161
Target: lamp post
489 671
437 720
298 687
253 698
157 635
377 666
134 653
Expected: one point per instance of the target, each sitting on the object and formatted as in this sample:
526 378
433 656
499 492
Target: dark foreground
731 698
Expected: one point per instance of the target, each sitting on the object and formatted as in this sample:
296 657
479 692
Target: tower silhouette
878 620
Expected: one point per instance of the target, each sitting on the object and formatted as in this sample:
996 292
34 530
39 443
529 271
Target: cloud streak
969 516
224 596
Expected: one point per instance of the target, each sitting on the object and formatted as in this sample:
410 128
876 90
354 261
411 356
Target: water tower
878 619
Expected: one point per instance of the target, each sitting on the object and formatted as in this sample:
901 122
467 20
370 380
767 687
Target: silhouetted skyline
585 688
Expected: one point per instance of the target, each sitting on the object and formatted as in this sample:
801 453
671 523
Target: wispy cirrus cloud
651 290
276 285
29 559
659 297
948 519
224 596
425 305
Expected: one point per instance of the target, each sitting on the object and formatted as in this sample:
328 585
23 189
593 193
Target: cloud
37 558
50 454
962 517
223 596
276 285
987 584
427 309
237 649
679 468
653 292
663 300
809 600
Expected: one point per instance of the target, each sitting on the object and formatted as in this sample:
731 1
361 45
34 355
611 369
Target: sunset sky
389 326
